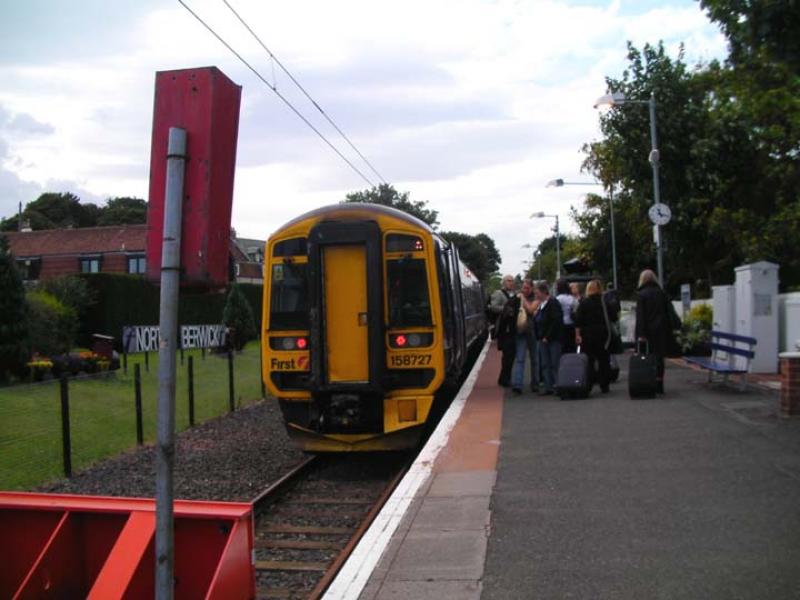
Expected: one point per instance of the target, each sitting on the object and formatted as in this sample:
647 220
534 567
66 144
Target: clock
660 214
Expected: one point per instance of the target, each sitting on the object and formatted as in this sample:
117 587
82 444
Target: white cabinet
757 312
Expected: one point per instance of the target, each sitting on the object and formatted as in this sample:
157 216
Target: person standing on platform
549 323
593 335
575 290
525 342
653 321
505 327
568 307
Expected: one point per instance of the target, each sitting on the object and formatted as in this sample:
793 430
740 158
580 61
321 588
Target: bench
725 347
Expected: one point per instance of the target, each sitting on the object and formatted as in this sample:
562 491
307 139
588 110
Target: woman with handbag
593 333
525 340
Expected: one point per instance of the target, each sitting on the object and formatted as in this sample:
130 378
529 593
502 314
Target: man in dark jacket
503 305
548 323
653 321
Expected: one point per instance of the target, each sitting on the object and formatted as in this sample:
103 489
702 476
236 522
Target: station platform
695 494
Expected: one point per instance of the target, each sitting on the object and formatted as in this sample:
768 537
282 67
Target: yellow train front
367 313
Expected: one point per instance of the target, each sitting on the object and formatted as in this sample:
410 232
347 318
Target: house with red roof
49 253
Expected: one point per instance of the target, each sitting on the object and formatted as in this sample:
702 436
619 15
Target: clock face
660 214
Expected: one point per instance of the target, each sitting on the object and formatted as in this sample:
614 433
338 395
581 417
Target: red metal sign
205 103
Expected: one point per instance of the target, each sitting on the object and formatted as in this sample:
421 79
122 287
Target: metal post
654 160
168 317
613 235
558 251
124 362
66 445
190 373
539 262
230 381
137 391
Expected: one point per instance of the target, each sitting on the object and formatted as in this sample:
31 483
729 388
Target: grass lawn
102 413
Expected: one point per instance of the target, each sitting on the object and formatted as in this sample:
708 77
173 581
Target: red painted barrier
205 103
62 546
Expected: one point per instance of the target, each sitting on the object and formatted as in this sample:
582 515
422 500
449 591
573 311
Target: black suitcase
573 376
613 366
642 374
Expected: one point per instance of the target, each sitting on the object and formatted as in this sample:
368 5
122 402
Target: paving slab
453 514
430 590
465 483
440 555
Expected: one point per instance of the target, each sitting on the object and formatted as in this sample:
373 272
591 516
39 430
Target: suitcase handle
646 347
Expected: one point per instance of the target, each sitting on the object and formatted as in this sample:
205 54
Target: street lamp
562 183
619 99
541 215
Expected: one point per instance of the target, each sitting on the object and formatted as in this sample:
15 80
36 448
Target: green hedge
132 300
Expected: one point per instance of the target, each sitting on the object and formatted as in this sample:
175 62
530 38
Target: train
368 314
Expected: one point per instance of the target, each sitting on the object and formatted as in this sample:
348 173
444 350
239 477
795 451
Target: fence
103 412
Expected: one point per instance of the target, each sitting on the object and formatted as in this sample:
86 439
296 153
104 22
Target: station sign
146 338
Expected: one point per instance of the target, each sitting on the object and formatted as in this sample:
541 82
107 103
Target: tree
478 252
238 316
71 291
53 325
756 28
55 210
386 195
13 316
123 211
545 262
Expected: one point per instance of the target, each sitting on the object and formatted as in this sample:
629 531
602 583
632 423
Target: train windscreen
289 296
409 301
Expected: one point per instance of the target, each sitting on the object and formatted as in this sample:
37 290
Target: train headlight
288 343
414 340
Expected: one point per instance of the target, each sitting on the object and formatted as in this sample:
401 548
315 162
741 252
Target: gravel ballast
230 458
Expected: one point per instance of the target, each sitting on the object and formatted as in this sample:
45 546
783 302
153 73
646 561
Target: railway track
309 521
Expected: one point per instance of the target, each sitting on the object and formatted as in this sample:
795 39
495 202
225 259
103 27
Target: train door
346 314
345 300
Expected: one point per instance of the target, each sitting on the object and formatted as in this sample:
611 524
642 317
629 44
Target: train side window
289 296
407 287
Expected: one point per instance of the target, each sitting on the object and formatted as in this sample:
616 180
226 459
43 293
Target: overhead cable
302 89
277 93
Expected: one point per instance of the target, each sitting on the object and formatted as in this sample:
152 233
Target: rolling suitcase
573 376
642 374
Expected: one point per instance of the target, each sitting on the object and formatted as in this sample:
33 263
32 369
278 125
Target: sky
471 105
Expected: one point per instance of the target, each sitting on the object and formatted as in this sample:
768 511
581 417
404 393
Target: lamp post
562 183
540 215
619 99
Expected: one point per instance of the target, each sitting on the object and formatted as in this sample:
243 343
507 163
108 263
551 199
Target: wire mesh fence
103 411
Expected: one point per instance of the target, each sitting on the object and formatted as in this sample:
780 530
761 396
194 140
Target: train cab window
289 296
407 287
290 247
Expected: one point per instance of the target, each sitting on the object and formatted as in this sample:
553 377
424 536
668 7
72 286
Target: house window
90 264
137 264
29 268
